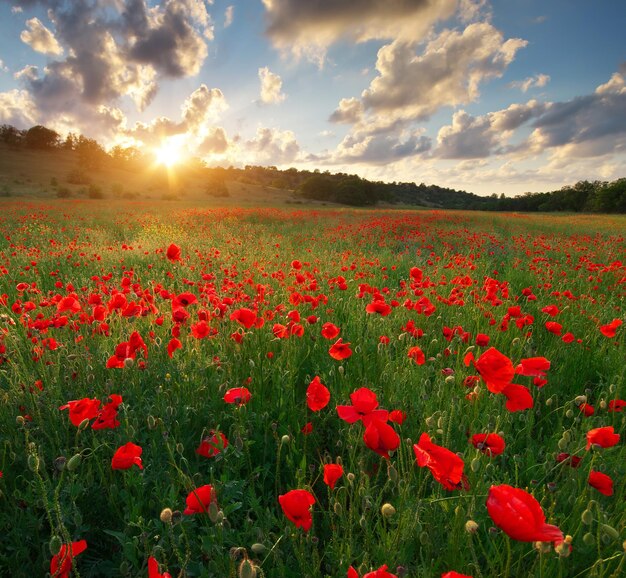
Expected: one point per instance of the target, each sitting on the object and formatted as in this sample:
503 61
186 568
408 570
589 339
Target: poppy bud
59 463
350 477
83 424
589 539
543 547
74 462
129 362
258 548
471 527
609 531
339 461
337 508
180 448
33 463
55 545
587 517
580 399
166 515
363 522
19 420
285 439
387 510
151 422
424 538
450 379
340 369
214 512
475 464
392 473
569 414
247 569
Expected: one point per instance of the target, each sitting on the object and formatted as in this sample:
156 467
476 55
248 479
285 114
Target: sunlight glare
169 153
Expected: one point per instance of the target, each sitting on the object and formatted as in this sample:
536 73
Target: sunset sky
482 95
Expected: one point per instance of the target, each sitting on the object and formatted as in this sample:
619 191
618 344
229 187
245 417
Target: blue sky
491 96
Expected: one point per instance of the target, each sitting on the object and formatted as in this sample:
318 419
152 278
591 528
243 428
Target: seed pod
74 462
587 517
387 510
33 463
55 545
609 531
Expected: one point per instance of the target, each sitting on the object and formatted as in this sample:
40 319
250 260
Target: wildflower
238 395
153 569
340 350
296 505
381 437
61 563
446 466
212 445
364 404
126 456
82 409
601 482
519 515
604 437
417 355
173 252
495 368
317 395
198 500
332 473
491 444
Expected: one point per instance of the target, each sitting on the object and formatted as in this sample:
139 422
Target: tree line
348 189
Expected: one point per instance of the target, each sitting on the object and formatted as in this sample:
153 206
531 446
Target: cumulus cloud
215 142
202 105
379 149
448 72
39 38
537 81
271 86
350 111
3 66
308 28
273 146
229 15
114 51
17 108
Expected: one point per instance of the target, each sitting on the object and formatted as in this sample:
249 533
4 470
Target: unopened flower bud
609 531
258 548
83 425
55 545
247 569
475 464
213 512
587 517
589 539
471 527
33 463
166 515
74 462
387 510
285 439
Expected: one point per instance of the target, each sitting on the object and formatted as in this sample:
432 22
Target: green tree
40 137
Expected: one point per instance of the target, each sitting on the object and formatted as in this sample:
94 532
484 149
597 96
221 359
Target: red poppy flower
491 444
364 403
330 330
417 355
604 437
518 397
107 416
495 368
296 505
554 327
238 395
397 416
198 500
332 472
212 445
601 482
380 573
616 405
153 569
61 563
587 409
381 438
127 456
482 340
82 409
340 350
307 428
173 345
244 316
173 252
610 329
317 395
571 461
446 466
378 306
533 367
519 515
453 574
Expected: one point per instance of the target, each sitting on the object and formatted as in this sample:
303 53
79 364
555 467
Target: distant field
442 390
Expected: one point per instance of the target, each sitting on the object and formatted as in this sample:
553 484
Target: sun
170 152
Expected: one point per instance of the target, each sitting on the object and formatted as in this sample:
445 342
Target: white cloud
17 108
3 66
308 28
39 38
272 146
202 105
537 81
271 86
229 16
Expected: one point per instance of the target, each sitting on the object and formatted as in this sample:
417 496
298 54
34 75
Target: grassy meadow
194 333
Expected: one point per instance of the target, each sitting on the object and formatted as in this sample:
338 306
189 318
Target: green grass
235 258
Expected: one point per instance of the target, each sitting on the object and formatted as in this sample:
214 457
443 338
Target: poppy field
293 392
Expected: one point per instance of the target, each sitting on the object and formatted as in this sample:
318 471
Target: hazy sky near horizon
489 96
